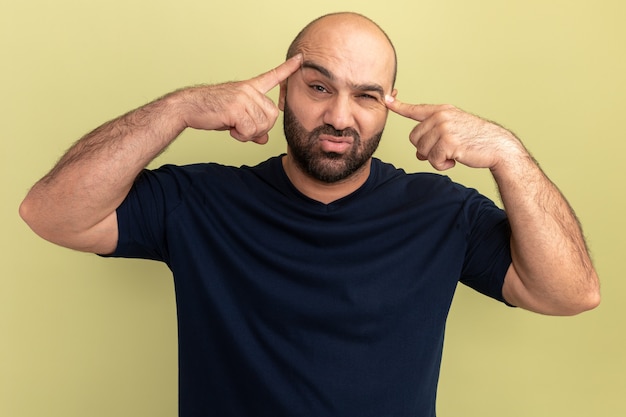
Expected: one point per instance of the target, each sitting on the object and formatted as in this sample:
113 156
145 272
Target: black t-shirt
290 307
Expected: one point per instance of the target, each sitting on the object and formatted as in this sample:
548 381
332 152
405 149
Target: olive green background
85 336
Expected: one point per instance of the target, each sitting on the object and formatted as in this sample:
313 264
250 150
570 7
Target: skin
342 77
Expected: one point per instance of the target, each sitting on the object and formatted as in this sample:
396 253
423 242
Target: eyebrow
359 87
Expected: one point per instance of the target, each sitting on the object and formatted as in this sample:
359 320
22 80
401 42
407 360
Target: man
318 282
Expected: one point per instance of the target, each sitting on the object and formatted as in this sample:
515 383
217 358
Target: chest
334 265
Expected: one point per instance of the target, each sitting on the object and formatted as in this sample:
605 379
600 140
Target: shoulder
415 184
428 191
203 174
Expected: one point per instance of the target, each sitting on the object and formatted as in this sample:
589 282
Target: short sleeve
143 214
488 254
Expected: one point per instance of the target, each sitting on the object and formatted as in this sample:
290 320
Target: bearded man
318 282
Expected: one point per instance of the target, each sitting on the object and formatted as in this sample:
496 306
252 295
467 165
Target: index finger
266 81
417 112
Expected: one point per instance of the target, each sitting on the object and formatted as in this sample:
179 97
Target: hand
447 135
241 107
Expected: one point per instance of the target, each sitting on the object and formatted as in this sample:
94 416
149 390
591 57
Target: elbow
559 300
25 211
591 298
583 306
33 214
590 301
584 301
569 307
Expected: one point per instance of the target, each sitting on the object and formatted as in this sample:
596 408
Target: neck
321 191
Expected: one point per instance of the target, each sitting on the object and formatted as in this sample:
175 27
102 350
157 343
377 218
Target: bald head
354 33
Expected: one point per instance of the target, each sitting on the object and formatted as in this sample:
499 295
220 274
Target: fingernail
389 99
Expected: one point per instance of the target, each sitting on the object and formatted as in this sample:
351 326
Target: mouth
335 144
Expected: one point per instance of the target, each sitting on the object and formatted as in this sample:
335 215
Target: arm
551 272
74 205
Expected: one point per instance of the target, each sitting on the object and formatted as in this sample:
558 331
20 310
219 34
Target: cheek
371 122
308 112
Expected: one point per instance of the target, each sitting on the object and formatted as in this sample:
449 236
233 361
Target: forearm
550 258
94 176
74 205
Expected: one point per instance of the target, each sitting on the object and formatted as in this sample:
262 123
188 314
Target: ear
281 95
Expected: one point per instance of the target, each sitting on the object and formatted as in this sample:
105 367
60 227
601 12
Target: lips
335 144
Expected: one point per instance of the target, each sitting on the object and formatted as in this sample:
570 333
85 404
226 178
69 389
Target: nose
339 113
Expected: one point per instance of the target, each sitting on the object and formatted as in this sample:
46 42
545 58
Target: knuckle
273 113
447 112
246 128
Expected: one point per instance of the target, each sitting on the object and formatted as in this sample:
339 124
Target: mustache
331 131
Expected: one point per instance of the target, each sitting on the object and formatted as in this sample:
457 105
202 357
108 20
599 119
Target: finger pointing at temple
267 81
417 112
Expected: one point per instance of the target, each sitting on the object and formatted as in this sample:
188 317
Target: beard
328 167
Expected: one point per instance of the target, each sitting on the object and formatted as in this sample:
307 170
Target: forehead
354 52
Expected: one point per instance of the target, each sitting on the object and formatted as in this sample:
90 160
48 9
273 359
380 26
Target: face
334 110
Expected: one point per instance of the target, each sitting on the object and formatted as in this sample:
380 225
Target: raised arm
551 272
74 205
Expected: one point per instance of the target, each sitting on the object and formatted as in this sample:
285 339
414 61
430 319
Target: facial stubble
328 167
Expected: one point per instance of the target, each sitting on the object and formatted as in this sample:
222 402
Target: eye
318 88
368 96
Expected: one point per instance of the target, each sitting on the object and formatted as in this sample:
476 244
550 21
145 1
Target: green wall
84 336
